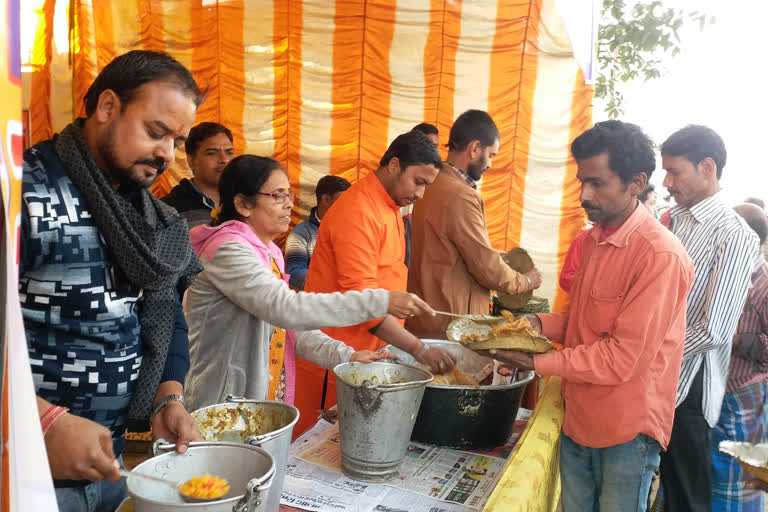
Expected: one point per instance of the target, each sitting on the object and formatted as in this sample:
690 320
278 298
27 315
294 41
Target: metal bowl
248 469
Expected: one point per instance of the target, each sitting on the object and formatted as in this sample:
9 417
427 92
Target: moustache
157 163
589 206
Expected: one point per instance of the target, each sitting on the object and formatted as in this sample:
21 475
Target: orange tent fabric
324 87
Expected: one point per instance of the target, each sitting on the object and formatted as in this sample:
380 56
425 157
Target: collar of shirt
701 211
378 191
207 201
314 214
620 238
463 175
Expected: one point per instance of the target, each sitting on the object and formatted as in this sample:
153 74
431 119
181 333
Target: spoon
175 485
474 318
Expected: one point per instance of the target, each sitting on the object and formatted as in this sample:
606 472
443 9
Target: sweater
233 305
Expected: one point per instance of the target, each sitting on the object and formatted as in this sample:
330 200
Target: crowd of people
138 309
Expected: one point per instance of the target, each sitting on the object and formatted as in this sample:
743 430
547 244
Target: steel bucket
248 469
377 404
466 417
271 427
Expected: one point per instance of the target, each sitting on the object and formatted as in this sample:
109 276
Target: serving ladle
175 485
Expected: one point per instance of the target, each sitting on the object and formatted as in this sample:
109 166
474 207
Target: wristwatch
165 401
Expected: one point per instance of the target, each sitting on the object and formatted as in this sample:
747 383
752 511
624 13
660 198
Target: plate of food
506 333
752 457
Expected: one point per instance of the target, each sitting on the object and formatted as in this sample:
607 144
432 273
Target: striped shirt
723 249
749 357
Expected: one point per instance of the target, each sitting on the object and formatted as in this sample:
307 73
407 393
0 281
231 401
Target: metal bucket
270 427
377 404
248 469
466 417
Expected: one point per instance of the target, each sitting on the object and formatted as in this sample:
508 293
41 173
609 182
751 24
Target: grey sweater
231 309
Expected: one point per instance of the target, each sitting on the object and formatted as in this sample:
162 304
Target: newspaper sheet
431 479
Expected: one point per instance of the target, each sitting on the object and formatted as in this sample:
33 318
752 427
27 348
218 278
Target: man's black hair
695 143
412 148
426 129
331 185
630 150
126 73
473 125
203 131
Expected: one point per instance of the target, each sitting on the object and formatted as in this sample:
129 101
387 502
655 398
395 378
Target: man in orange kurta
360 245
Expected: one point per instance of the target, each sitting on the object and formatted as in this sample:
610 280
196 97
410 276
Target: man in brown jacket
453 266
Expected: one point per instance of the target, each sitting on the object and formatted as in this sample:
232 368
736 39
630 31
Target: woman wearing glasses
245 323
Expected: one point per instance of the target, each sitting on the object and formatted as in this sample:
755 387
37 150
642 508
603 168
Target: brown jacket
453 266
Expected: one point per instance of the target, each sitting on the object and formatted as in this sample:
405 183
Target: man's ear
708 168
107 106
638 183
393 167
475 149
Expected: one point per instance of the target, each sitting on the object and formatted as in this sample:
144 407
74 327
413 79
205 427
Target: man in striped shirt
723 249
743 415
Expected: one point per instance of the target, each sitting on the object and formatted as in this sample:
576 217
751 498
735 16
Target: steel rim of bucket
529 376
389 387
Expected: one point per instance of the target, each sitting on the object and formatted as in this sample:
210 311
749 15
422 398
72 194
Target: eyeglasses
280 197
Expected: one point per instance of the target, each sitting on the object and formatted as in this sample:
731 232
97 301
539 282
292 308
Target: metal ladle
175 485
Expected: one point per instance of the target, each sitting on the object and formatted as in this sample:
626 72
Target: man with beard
103 264
453 265
209 149
623 333
360 244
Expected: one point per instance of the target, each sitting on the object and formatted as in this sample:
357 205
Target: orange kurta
360 245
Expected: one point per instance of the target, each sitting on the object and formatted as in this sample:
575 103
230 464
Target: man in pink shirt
623 334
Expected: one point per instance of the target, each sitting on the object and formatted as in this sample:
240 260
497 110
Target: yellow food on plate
455 377
511 327
521 342
205 487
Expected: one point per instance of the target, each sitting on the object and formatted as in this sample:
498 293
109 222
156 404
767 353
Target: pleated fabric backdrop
324 86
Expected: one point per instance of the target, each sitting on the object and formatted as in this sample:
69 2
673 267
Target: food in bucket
455 377
138 436
206 487
229 419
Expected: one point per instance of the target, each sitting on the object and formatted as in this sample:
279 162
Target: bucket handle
264 438
251 500
367 395
234 399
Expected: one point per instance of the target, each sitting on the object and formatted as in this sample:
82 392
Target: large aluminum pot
269 426
248 469
377 405
466 417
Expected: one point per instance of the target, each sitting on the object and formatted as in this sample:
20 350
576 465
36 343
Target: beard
126 175
475 170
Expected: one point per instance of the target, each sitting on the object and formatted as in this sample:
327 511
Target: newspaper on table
431 479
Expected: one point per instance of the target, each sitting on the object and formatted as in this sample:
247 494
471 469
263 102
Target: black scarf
150 243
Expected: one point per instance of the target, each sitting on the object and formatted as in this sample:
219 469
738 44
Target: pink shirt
623 335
